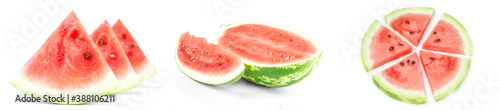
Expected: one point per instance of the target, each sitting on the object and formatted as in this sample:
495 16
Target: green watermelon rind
278 75
105 87
389 17
462 31
413 97
450 87
229 78
365 49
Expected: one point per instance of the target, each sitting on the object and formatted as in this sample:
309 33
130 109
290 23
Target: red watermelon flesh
410 22
68 62
106 41
205 58
383 45
449 36
444 72
405 74
138 60
266 45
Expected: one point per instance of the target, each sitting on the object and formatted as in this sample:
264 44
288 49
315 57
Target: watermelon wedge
410 22
380 45
67 63
274 56
444 73
143 69
449 36
207 63
106 41
403 81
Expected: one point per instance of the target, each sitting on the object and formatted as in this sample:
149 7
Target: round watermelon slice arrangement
264 54
444 56
75 63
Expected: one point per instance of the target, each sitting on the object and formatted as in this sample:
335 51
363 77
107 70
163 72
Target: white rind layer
128 82
146 72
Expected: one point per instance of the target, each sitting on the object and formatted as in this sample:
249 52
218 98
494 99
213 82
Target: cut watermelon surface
143 69
274 56
207 63
106 41
444 72
381 45
67 63
410 22
449 36
403 81
442 56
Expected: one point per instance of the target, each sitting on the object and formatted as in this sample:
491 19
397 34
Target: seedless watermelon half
207 63
444 73
106 41
449 36
402 81
410 22
143 69
380 45
274 56
67 63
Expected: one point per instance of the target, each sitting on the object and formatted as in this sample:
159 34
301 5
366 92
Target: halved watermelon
274 56
67 63
449 36
403 81
380 45
143 69
410 22
207 63
111 50
444 73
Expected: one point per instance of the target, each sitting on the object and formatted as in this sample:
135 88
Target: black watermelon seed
432 59
87 55
132 46
438 40
411 32
291 40
412 62
400 44
391 48
219 64
435 32
408 61
402 64
389 36
124 36
180 49
76 37
407 22
101 42
192 51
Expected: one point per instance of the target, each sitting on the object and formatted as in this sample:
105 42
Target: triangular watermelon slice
67 63
403 81
106 41
444 73
449 36
380 45
410 22
143 69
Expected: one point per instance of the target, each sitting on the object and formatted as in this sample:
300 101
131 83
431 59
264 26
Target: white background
339 82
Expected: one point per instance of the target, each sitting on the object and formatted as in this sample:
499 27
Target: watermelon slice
274 56
403 81
444 73
143 69
410 22
67 63
108 44
380 45
449 36
207 63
